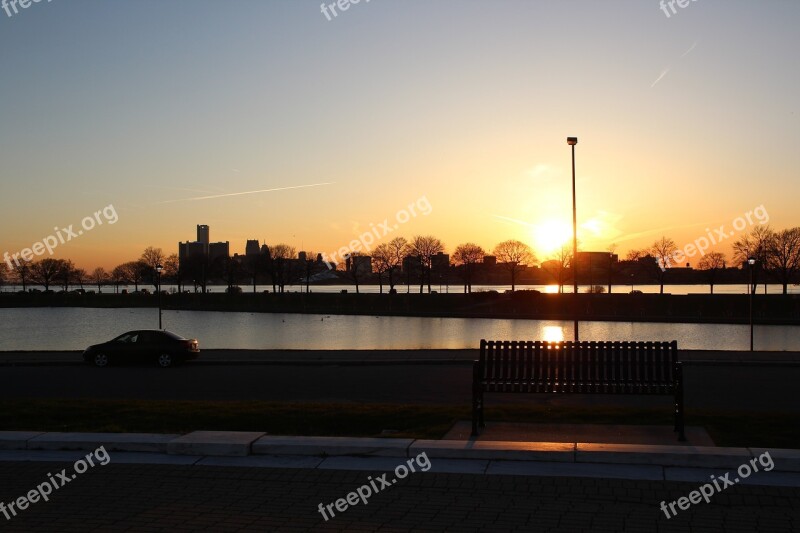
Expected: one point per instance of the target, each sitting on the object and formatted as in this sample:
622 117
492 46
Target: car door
146 346
120 348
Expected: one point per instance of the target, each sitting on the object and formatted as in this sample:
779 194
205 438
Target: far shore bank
770 309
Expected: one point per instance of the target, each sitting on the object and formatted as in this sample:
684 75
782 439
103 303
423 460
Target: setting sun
551 235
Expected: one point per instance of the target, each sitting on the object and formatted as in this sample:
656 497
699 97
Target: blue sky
683 121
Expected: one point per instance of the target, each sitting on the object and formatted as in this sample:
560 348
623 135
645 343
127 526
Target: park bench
585 367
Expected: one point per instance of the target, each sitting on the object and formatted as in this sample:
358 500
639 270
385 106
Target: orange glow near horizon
550 236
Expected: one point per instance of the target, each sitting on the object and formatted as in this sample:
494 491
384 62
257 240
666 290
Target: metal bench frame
585 367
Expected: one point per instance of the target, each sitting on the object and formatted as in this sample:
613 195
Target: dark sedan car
163 347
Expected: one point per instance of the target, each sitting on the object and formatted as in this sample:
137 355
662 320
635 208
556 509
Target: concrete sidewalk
253 449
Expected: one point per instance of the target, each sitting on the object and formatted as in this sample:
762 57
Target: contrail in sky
661 77
196 198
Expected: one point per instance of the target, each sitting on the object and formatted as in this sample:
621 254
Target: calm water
76 328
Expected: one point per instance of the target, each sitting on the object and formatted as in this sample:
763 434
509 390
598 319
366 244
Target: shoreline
768 310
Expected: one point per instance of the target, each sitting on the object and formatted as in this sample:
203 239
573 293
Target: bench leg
679 407
475 414
480 411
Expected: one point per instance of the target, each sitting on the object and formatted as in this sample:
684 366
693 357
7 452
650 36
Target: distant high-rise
218 251
203 234
252 248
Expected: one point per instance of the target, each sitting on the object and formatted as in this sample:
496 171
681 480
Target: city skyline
267 121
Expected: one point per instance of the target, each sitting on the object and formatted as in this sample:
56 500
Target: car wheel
165 360
100 360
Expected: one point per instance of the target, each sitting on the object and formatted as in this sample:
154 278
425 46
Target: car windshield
174 336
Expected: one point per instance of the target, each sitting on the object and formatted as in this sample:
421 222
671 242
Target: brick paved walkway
120 497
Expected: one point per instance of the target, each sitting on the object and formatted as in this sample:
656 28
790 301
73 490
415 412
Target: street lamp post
159 268
572 141
751 288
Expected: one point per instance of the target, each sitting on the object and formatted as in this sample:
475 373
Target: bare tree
78 275
172 270
514 256
281 258
783 260
151 258
612 250
400 249
635 255
132 272
99 277
426 247
758 245
468 256
382 263
23 272
312 267
558 264
712 263
354 268
46 271
662 251
4 274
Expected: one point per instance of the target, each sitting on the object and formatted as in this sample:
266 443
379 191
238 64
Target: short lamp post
159 268
752 263
572 141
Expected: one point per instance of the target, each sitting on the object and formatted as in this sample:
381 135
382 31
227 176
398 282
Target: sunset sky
685 123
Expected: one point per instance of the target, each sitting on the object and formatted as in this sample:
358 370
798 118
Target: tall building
440 262
203 234
252 248
218 250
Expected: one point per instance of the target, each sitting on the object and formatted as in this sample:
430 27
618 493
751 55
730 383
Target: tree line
776 255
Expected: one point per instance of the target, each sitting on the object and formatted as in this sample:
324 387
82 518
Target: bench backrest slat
578 367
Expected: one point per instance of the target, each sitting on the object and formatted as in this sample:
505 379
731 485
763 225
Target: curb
243 444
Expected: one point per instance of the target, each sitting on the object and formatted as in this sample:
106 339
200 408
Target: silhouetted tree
513 256
557 265
783 259
712 263
313 266
382 262
99 278
4 274
172 270
354 269
282 256
46 271
662 251
22 273
400 249
468 256
132 272
426 247
758 245
151 258
612 250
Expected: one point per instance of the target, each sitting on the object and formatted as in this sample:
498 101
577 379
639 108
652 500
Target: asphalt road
767 387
